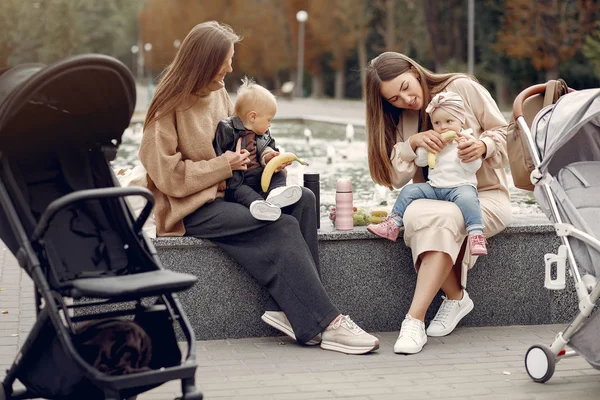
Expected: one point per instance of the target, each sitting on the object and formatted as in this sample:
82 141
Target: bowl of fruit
362 216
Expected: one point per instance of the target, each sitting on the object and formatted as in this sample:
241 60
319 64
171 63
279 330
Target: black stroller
66 220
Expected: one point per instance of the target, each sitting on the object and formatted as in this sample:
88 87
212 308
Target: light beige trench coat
433 225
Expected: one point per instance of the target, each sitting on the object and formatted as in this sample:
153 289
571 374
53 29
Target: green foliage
436 36
591 50
580 73
48 30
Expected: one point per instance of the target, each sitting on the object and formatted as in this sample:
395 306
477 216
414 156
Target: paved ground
472 363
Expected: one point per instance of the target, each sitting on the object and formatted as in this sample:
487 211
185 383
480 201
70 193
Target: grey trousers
281 255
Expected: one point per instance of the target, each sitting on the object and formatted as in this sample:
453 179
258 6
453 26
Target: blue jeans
464 196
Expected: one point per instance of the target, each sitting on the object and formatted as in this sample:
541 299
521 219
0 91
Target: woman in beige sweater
184 174
398 91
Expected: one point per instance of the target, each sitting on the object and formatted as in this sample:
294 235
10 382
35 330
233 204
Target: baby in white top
448 178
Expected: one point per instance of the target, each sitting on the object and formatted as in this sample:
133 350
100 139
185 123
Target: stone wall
372 280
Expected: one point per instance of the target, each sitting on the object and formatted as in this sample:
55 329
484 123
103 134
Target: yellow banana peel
447 137
281 159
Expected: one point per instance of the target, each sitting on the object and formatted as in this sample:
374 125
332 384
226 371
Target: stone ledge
373 280
527 223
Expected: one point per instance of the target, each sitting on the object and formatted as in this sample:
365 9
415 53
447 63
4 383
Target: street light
148 48
134 51
176 45
301 16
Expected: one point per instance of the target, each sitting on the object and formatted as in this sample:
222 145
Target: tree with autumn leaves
517 42
547 32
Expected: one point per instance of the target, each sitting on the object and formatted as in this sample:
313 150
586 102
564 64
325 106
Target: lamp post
301 16
176 45
471 38
134 64
148 48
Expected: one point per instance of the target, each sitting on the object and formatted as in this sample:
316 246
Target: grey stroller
564 142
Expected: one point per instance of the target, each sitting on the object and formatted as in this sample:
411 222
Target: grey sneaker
264 211
279 321
449 315
347 337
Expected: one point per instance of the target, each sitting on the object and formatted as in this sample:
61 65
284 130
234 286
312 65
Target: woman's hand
429 140
470 149
238 160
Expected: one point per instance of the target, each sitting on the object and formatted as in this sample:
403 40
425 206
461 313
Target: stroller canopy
83 99
569 131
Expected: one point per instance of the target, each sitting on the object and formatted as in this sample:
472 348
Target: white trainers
347 337
449 315
285 195
279 321
412 336
264 211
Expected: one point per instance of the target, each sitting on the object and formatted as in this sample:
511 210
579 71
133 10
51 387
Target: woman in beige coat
398 91
184 173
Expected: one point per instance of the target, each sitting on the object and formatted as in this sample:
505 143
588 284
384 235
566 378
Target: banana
431 157
282 159
448 137
376 220
379 213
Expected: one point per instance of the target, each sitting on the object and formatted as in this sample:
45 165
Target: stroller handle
537 89
525 94
60 203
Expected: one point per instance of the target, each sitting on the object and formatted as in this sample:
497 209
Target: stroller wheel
540 363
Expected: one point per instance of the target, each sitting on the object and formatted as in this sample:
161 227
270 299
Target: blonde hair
251 96
382 117
198 61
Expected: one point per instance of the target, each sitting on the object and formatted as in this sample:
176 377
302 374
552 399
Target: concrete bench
372 279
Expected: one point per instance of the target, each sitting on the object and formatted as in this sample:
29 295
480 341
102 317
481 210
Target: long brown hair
382 117
197 62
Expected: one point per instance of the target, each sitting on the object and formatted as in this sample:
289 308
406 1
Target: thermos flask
343 205
311 181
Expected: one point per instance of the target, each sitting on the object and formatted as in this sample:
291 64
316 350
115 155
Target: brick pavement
472 363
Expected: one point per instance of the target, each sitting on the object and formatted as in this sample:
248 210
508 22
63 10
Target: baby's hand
269 156
221 186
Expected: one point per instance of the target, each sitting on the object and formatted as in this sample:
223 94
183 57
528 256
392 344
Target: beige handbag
528 103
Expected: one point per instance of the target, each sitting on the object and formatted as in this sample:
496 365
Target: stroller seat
132 286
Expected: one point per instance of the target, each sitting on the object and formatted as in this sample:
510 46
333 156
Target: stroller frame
541 360
56 312
54 303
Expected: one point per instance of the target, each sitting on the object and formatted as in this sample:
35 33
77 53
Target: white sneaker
285 195
449 315
279 321
412 336
347 337
264 211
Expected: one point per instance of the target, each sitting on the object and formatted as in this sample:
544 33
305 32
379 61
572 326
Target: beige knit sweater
177 152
